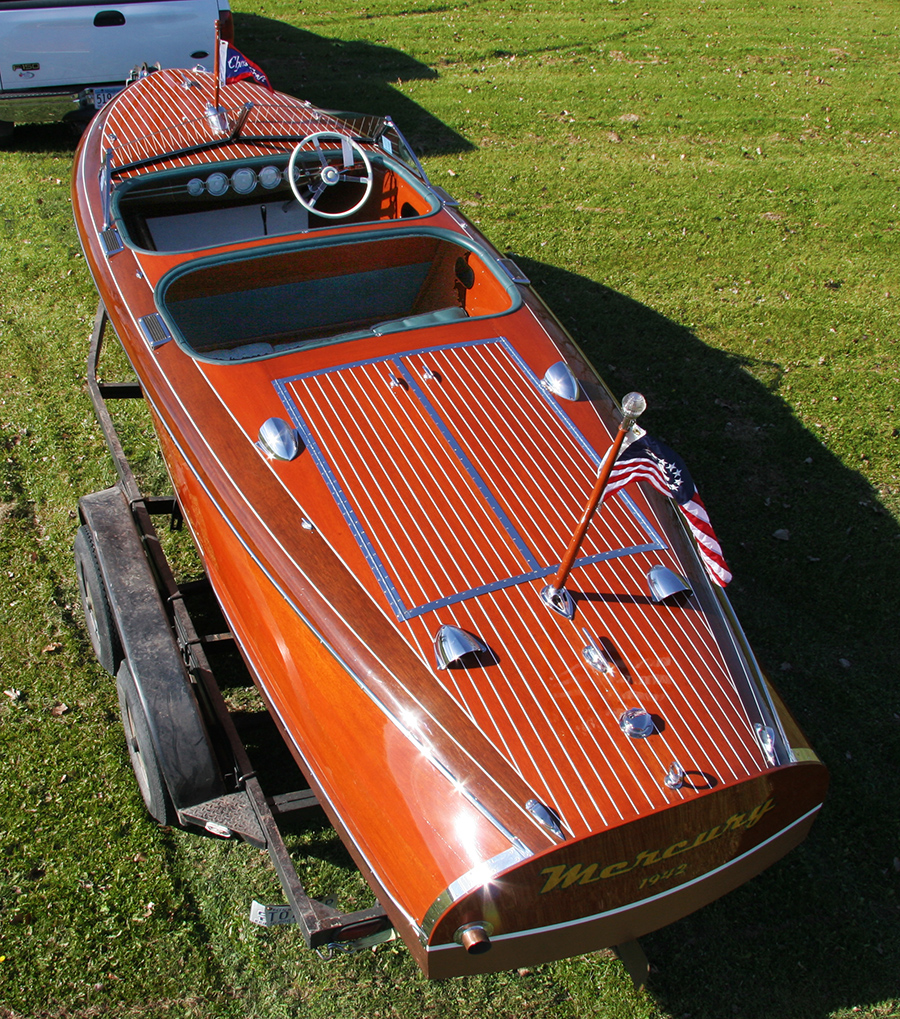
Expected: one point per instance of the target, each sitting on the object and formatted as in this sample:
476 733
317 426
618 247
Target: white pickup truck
61 60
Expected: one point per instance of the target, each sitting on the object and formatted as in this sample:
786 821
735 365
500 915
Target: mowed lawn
706 195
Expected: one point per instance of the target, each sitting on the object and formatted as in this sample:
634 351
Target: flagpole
554 595
217 62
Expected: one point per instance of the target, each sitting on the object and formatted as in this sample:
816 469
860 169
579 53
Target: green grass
706 194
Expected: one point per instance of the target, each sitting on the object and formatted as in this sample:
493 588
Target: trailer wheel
140 749
101 626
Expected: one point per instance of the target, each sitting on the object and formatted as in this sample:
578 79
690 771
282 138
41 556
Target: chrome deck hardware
452 644
636 723
664 583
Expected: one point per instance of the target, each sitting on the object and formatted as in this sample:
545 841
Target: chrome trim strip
106 190
478 875
641 902
757 679
39 107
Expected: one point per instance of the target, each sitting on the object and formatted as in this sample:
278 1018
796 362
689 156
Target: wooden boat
383 444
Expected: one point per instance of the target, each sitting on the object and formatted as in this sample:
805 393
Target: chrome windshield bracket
106 187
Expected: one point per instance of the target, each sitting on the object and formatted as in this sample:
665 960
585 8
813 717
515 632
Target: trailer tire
144 761
101 626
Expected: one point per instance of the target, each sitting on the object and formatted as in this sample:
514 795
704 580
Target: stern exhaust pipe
474 939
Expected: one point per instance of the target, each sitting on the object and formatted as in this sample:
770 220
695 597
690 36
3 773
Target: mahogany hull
436 484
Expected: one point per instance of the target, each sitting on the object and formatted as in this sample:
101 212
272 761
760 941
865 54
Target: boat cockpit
246 305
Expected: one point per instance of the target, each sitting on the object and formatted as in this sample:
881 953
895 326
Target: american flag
234 66
647 459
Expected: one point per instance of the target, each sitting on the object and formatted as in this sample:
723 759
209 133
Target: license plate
269 916
103 95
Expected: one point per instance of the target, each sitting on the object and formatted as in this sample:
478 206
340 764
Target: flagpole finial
633 405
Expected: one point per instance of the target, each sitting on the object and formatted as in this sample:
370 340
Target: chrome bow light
278 440
451 644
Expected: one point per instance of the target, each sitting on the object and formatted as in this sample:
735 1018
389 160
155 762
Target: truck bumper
48 106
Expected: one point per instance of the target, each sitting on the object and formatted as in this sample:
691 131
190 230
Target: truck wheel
101 626
140 749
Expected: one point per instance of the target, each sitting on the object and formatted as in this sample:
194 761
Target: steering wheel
349 165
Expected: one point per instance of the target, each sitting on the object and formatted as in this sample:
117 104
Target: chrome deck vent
664 583
451 644
547 817
278 440
112 242
559 380
155 331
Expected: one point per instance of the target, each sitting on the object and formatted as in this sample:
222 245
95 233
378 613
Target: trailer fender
178 737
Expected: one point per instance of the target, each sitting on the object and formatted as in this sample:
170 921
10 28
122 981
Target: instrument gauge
270 177
243 180
217 184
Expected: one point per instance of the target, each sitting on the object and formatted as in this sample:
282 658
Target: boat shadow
338 74
820 610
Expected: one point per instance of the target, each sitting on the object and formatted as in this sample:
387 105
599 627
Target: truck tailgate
66 42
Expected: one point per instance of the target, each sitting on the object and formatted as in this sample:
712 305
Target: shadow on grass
331 73
819 931
346 75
